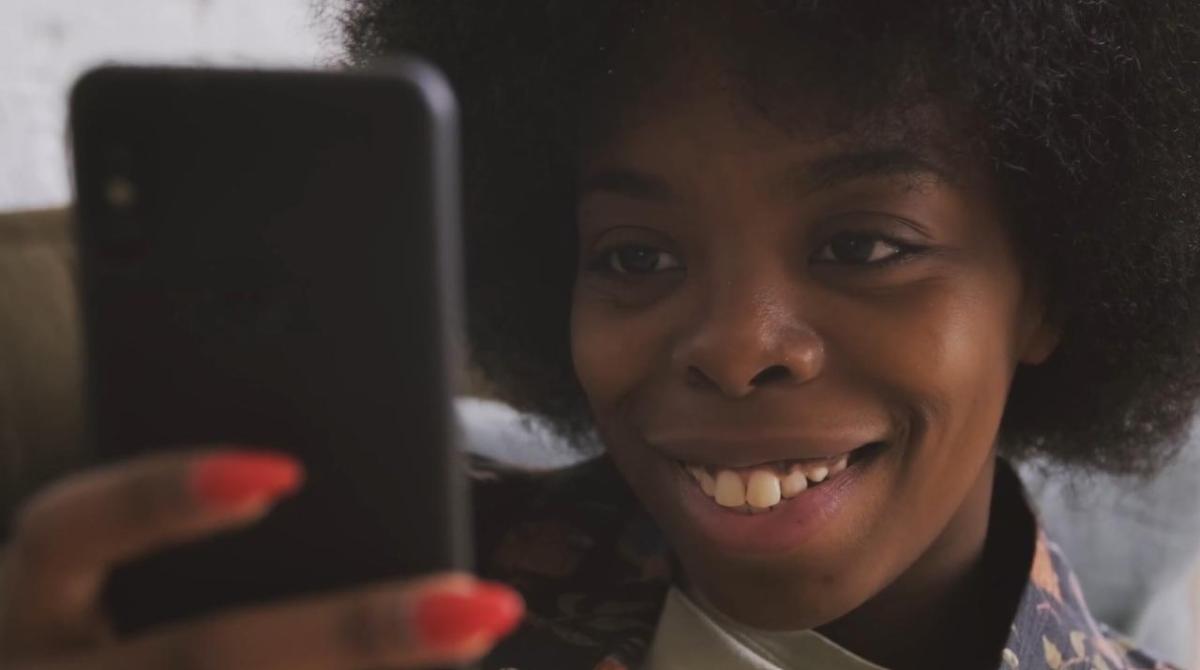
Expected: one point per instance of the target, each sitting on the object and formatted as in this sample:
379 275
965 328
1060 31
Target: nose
749 338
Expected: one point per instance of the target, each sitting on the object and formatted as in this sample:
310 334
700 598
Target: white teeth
705 480
838 465
794 483
730 492
763 489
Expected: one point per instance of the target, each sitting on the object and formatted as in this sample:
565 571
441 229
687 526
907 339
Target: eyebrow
886 162
630 183
822 173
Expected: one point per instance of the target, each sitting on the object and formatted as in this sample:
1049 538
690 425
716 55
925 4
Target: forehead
696 117
704 91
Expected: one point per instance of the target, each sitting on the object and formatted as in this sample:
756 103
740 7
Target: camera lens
120 193
120 225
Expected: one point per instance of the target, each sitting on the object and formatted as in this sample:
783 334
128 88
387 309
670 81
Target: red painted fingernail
445 619
237 480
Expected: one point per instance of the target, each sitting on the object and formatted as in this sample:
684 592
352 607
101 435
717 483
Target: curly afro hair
1086 109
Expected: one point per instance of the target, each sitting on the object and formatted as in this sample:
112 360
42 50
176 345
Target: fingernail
237 480
445 620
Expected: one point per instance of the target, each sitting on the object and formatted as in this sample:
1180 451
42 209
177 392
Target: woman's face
754 306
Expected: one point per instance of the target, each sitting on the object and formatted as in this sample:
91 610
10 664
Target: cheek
614 348
944 356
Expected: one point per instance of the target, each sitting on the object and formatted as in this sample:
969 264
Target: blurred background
46 44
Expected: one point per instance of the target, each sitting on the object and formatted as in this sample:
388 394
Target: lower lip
784 528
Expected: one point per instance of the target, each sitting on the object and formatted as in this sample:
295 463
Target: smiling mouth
762 488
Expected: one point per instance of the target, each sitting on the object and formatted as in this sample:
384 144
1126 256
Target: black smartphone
272 258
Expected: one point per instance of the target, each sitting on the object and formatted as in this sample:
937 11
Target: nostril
696 377
774 373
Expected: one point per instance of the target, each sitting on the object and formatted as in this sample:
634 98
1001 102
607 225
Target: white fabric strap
690 636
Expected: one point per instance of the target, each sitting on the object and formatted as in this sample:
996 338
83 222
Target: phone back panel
271 258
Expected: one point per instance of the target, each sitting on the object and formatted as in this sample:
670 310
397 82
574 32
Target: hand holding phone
72 534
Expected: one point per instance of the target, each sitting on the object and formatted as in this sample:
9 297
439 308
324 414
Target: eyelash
903 250
604 260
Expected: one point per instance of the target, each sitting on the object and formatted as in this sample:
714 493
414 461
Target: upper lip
742 450
778 424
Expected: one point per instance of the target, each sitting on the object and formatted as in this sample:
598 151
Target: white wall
45 44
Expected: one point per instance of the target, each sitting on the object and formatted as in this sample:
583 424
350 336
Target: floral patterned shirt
595 570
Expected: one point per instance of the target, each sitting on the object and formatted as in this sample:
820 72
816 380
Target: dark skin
738 279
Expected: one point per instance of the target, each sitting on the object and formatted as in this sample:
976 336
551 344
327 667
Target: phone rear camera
121 226
120 193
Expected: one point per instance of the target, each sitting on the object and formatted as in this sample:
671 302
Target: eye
861 249
638 260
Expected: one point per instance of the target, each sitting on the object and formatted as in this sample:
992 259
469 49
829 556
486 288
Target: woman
812 272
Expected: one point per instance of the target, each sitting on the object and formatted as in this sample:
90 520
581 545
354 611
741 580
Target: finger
68 538
95 519
445 619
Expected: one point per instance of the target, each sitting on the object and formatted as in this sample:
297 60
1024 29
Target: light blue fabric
495 430
1133 543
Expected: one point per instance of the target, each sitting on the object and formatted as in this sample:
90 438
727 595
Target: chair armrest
40 372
